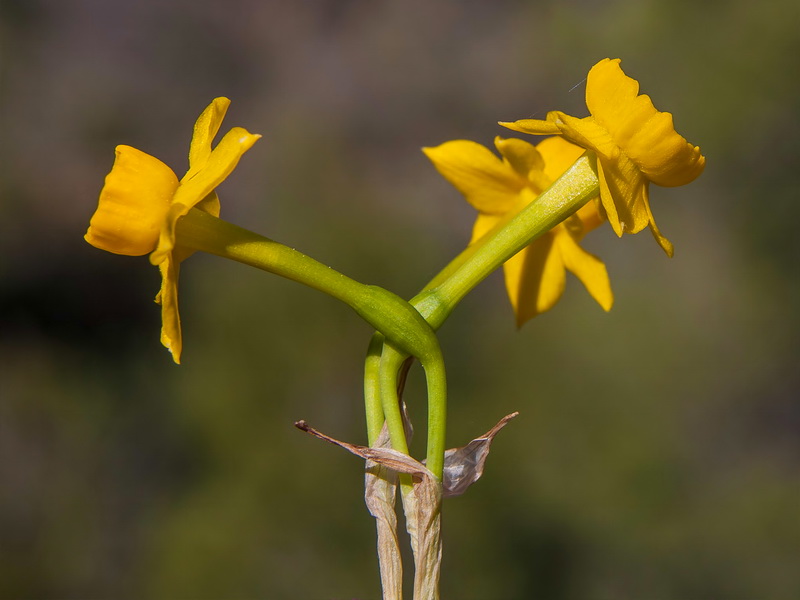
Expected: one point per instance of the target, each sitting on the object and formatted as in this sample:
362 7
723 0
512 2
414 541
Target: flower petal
590 216
220 164
645 134
535 278
559 155
587 267
133 203
665 244
532 126
486 182
610 95
587 133
205 129
521 155
607 201
209 205
168 299
622 193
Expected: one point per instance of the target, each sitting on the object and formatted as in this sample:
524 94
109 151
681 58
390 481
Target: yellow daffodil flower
635 144
498 189
142 201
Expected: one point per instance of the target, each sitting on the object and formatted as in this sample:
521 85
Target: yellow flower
535 277
142 201
635 145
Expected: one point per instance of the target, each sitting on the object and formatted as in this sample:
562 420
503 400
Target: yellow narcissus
635 144
142 201
498 188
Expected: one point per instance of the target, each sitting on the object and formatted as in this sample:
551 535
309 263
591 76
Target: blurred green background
657 454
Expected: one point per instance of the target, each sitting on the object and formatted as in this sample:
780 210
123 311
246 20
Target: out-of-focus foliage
656 453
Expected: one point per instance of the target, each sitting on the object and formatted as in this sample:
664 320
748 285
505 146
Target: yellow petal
486 182
559 155
587 267
665 244
533 126
521 155
623 195
168 299
645 134
610 95
590 216
209 205
535 278
220 164
133 204
607 201
205 129
587 133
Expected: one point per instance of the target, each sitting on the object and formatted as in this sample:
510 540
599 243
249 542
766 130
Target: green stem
435 376
201 231
390 361
437 415
385 311
372 389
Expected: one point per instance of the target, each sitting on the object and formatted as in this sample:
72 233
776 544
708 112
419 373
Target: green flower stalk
403 326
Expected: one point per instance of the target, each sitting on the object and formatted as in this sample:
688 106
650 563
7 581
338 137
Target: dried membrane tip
397 461
464 466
